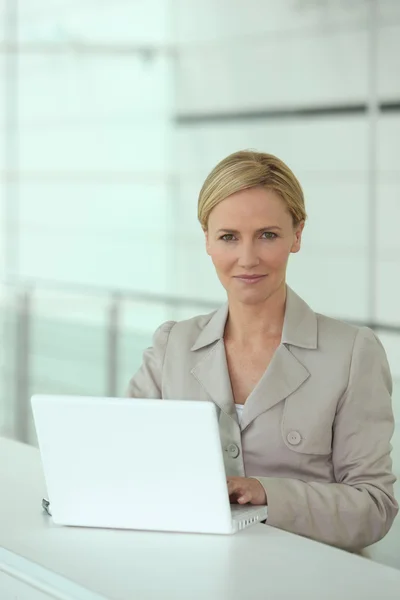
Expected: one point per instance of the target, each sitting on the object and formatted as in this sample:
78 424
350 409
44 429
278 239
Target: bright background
111 115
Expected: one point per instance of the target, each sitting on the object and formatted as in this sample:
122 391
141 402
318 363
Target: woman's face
250 236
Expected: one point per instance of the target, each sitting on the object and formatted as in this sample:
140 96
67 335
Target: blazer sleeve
147 382
359 508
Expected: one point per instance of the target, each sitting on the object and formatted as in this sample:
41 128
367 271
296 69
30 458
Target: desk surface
257 563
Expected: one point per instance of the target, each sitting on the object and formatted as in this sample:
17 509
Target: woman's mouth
249 279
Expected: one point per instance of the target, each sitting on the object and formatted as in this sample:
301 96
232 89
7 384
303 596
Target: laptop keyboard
239 511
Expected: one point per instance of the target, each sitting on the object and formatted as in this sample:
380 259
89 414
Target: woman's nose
248 257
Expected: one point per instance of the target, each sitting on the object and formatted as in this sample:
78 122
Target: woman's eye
228 237
269 235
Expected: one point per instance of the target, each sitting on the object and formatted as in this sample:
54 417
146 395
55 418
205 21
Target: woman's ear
298 231
207 241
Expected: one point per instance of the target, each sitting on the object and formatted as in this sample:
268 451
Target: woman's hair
247 169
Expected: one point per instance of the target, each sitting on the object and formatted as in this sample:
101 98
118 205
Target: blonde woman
305 400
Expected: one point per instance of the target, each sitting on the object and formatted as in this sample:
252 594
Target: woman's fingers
244 498
244 490
239 491
234 487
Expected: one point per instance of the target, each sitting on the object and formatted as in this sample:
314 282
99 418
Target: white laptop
136 464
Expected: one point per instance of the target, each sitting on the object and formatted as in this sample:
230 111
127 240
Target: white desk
257 563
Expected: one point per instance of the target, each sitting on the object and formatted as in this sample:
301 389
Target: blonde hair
247 169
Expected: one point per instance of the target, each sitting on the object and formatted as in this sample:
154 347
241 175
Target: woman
305 400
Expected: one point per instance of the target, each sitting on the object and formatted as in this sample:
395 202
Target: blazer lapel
211 369
212 373
284 376
285 373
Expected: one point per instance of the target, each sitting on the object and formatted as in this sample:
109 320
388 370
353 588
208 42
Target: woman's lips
250 279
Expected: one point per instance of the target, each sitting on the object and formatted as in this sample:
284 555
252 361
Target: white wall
94 183
239 56
109 182
95 139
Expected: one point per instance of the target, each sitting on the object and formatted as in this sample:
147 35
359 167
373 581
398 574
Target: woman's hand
245 490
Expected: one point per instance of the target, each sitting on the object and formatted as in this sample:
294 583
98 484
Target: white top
259 562
239 411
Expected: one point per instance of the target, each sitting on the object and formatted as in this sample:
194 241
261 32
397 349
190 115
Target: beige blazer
316 429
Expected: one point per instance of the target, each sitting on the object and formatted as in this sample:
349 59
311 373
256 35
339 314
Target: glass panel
139 321
8 358
68 345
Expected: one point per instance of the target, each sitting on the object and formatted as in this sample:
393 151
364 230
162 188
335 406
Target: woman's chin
250 297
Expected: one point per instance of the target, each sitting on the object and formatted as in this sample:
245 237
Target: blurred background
112 112
111 115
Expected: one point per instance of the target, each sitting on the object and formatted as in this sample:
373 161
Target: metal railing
20 299
22 296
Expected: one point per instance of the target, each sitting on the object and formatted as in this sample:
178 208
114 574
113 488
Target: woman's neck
252 322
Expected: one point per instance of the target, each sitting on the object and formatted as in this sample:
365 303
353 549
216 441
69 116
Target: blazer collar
299 326
284 375
213 330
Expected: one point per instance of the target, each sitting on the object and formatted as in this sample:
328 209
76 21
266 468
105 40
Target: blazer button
294 438
233 450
